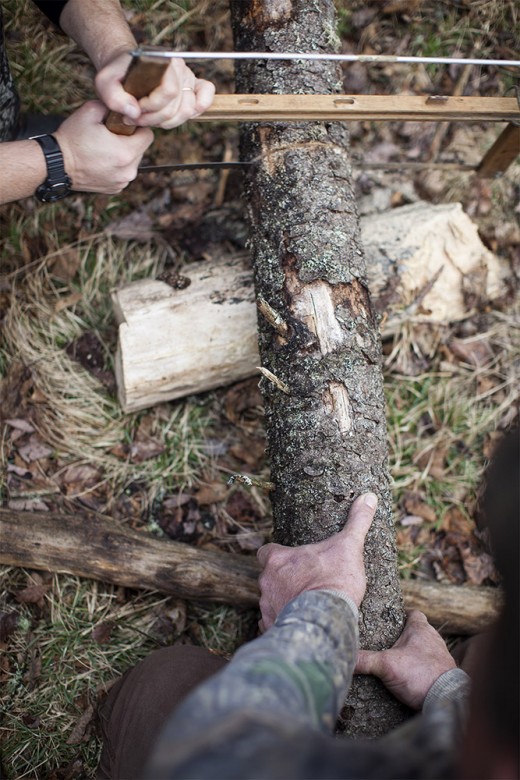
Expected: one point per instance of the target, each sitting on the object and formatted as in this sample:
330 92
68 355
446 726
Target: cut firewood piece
423 261
96 548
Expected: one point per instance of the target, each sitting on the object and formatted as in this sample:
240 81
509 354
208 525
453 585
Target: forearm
23 168
295 675
99 27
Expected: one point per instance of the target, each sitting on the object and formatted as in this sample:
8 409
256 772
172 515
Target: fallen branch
96 548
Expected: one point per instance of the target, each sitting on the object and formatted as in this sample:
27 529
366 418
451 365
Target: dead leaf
21 425
28 505
103 632
67 302
33 594
173 502
415 505
474 352
401 7
9 623
145 448
432 460
35 449
212 493
20 471
478 567
77 734
66 264
87 475
455 521
137 226
411 520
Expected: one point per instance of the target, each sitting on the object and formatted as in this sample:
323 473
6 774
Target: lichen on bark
327 438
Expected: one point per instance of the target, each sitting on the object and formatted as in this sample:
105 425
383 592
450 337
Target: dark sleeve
51 8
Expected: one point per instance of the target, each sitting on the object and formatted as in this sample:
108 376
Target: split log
176 342
96 548
325 414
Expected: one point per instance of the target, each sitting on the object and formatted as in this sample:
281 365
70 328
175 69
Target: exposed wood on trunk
173 343
327 440
96 548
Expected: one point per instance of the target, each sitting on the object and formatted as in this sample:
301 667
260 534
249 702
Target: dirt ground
68 447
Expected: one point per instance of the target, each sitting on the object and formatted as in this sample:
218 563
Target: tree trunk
325 413
97 548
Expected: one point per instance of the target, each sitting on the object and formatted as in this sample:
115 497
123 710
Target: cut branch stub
327 440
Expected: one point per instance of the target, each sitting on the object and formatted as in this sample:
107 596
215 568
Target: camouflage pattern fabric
270 713
9 101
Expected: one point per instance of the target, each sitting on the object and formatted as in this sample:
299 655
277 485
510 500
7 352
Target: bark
97 548
326 427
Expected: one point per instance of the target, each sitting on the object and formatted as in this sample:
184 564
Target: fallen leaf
27 505
431 461
66 264
474 352
21 425
456 521
103 632
33 594
87 475
77 734
67 302
411 520
145 448
173 502
35 449
212 493
9 623
137 226
415 505
478 567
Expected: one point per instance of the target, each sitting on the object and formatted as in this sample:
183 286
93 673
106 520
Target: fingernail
371 500
132 111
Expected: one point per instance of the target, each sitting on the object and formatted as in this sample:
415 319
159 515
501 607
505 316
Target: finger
204 94
359 520
111 91
264 552
368 662
416 617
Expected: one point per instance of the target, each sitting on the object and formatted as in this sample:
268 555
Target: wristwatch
58 184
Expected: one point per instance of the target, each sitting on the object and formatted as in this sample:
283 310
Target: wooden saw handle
144 74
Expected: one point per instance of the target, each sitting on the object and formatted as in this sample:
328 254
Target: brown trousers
140 703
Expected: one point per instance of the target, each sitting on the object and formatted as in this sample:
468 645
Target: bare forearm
99 27
23 169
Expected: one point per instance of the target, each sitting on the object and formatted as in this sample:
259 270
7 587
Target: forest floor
68 447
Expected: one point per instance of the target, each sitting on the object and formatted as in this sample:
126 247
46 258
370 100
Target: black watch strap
58 184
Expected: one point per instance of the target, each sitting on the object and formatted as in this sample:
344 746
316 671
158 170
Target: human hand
179 97
413 664
96 159
335 563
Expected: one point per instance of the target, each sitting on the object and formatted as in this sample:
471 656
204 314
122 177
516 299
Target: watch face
48 193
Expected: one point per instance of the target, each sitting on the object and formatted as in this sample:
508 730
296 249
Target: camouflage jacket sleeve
294 676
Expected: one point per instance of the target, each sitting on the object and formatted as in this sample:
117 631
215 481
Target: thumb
114 96
369 662
360 519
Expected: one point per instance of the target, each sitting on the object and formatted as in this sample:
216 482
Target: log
325 413
176 342
97 548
